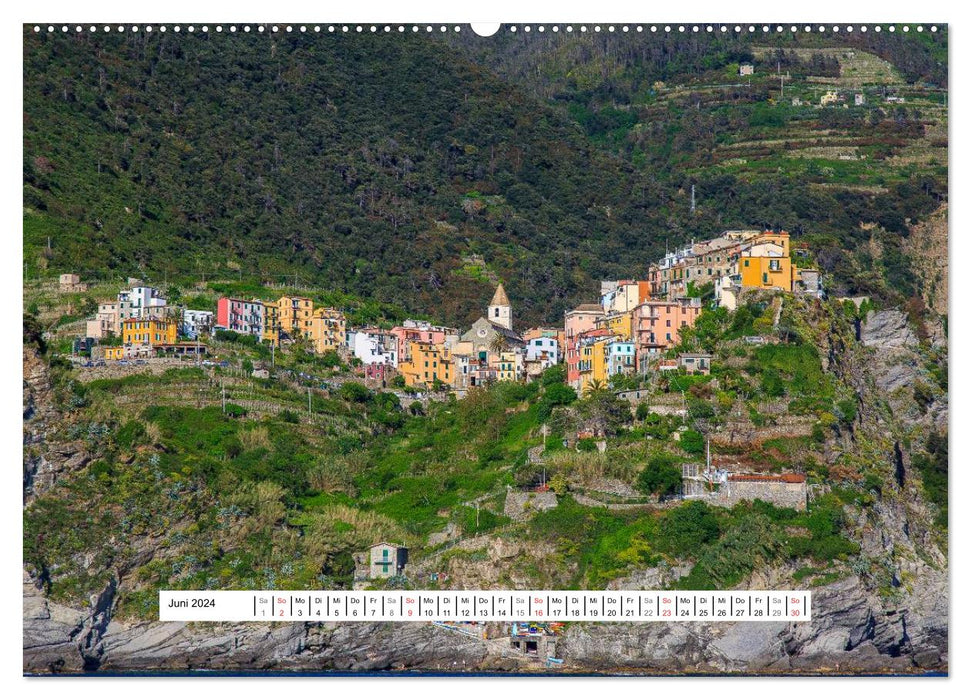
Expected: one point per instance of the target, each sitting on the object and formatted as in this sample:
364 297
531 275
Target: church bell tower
500 311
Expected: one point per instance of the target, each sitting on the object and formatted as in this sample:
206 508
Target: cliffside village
628 331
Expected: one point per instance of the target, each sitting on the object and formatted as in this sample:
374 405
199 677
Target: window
746 263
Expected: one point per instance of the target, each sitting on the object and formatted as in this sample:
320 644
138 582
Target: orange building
426 363
296 314
766 264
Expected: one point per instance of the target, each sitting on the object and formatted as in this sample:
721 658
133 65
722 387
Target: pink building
419 332
657 326
575 323
240 315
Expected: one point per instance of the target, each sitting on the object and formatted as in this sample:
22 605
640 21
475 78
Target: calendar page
533 349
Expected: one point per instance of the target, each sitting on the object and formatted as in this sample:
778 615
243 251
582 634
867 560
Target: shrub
130 434
288 416
234 410
587 445
686 528
661 476
692 442
355 393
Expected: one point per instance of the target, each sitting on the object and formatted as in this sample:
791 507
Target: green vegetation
347 199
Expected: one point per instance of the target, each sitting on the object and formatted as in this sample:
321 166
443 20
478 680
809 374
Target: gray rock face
850 632
886 330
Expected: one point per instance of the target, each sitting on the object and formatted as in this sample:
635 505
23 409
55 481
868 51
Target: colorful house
621 357
425 364
544 350
240 315
143 300
766 264
590 363
196 322
374 346
547 332
657 326
412 331
509 366
271 322
623 295
620 324
296 314
328 330
149 331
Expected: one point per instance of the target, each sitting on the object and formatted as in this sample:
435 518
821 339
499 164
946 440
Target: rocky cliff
850 632
890 616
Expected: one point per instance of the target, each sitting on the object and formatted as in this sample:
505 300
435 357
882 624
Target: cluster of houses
143 324
638 321
629 331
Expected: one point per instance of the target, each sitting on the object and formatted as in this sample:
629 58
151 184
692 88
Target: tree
690 526
355 392
595 388
499 344
559 395
660 477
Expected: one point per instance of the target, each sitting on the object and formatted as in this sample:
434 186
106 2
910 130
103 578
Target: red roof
786 478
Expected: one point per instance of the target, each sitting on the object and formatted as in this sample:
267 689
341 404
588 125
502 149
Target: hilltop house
72 283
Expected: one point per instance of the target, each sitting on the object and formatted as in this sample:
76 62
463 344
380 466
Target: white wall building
195 322
374 347
544 350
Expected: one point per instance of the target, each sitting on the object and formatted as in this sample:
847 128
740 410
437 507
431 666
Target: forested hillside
417 171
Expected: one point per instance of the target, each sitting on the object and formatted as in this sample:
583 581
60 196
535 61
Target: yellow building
149 331
116 352
328 330
425 364
271 322
508 367
766 264
296 314
620 324
593 362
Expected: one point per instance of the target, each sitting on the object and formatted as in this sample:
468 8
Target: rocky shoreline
850 633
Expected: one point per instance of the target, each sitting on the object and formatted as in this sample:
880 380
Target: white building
143 301
373 346
195 322
543 350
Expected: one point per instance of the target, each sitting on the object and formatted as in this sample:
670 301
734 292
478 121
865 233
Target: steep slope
375 165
